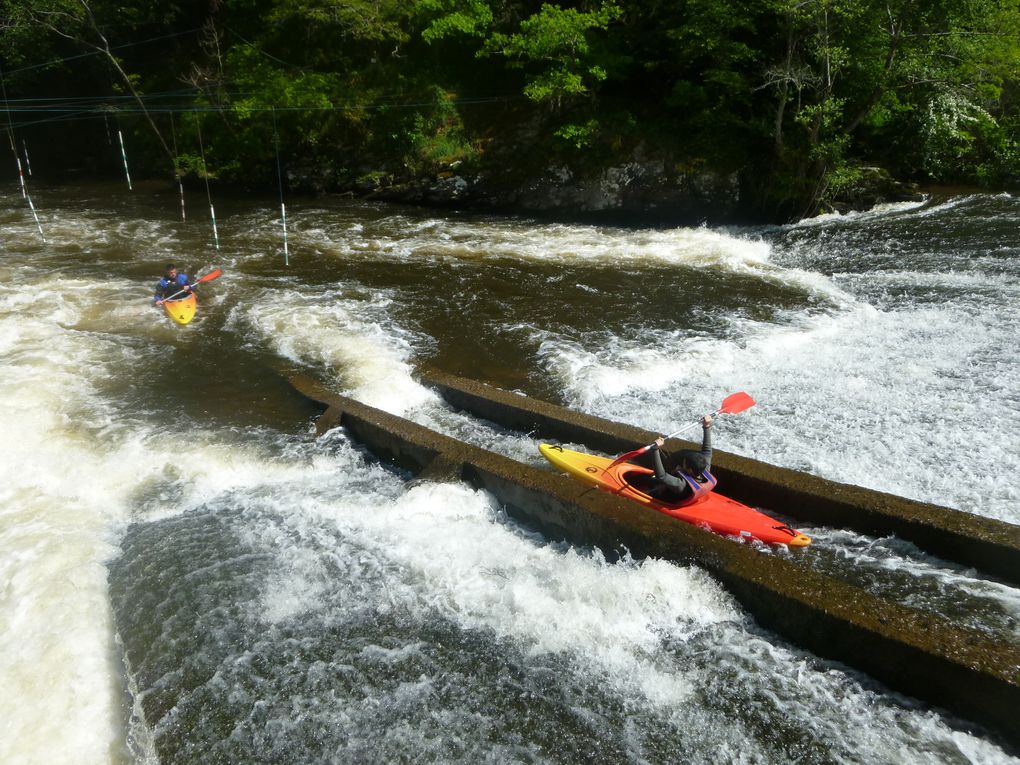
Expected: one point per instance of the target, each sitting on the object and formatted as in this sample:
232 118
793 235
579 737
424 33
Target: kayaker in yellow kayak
689 479
172 282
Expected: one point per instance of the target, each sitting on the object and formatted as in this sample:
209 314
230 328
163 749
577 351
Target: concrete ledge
913 652
983 543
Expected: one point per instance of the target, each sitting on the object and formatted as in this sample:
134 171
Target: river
189 576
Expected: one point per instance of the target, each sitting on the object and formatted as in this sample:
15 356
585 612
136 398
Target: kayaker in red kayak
689 479
172 281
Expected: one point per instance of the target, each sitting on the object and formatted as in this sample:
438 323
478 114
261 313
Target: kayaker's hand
706 421
659 442
159 302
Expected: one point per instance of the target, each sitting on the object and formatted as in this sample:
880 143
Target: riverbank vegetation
791 106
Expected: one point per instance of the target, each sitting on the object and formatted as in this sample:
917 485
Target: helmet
692 463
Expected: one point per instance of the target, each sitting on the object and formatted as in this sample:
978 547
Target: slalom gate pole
208 194
36 216
123 154
14 150
180 185
283 208
17 159
177 172
21 175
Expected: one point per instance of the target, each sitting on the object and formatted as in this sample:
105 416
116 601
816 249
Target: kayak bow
181 311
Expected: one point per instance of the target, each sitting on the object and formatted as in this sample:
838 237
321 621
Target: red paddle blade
737 402
213 274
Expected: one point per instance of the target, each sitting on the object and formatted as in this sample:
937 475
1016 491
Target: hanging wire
208 194
101 53
283 208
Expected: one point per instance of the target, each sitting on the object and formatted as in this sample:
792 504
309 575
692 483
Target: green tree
557 46
854 75
32 25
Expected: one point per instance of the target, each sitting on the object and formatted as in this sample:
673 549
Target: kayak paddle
207 278
732 404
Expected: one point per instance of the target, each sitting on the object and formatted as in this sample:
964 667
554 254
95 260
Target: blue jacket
168 287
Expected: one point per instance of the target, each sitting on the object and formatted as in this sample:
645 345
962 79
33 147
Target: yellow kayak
714 512
181 311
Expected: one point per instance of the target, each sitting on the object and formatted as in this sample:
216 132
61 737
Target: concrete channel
920 654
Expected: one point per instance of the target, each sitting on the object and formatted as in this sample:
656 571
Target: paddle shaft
733 404
692 425
191 286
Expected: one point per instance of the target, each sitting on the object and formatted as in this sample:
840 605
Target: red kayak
713 512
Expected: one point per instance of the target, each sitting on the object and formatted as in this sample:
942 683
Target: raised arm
706 441
660 472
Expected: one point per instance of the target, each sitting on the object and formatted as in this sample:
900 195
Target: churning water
188 576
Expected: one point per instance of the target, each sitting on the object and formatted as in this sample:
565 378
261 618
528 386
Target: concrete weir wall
917 653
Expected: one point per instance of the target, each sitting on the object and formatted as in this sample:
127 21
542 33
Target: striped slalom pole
279 176
208 193
215 233
21 176
28 165
286 252
180 185
123 154
17 160
36 216
176 169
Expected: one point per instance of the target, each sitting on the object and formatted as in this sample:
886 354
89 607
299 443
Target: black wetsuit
674 487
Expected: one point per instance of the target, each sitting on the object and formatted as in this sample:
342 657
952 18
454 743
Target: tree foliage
793 96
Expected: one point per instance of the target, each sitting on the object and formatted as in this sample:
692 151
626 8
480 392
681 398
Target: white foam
58 503
884 210
353 340
892 400
666 639
552 601
515 239
70 474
